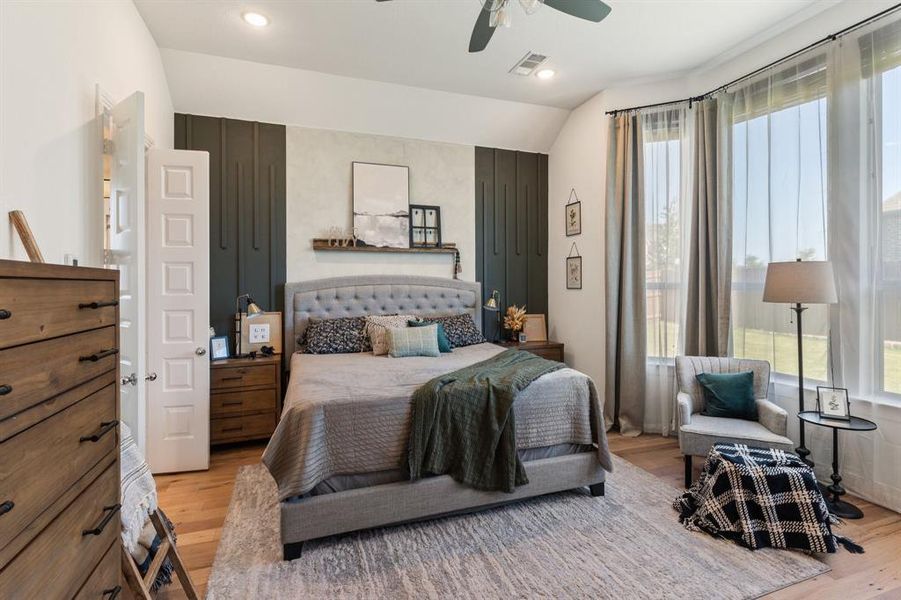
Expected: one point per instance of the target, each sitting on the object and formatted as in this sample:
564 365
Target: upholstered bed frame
401 502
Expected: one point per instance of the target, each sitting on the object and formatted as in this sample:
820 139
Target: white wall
209 85
578 158
319 196
51 56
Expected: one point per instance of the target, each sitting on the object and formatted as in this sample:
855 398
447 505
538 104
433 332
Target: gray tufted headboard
362 295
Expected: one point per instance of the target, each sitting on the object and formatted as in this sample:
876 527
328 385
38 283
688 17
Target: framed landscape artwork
381 197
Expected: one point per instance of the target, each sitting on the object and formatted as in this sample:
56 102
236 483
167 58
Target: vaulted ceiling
424 43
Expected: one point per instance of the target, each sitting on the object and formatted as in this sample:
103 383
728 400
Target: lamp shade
493 302
804 282
253 309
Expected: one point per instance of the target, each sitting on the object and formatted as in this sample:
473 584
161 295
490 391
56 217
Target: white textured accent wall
319 195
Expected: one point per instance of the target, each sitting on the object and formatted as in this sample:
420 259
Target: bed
337 452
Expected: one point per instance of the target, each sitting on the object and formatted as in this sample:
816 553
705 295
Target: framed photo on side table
219 347
833 403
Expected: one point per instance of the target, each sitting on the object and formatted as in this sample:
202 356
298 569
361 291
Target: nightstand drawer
244 376
228 404
237 429
548 353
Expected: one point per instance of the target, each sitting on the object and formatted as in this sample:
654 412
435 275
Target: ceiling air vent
528 63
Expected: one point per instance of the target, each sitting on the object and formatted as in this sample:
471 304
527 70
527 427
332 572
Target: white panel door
126 253
178 310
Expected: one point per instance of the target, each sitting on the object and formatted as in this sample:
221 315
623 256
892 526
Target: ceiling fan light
530 6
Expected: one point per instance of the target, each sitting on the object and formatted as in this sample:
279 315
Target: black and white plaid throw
760 497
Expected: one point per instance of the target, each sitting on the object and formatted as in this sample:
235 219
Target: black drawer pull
105 428
110 513
97 356
5 389
4 314
112 593
233 429
235 378
96 305
233 403
6 507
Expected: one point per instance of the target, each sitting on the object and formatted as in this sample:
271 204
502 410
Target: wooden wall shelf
324 245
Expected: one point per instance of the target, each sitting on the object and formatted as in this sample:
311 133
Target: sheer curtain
778 128
667 185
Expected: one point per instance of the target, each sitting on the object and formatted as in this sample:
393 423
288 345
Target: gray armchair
698 432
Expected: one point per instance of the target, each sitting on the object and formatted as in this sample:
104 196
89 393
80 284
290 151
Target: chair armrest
686 407
772 417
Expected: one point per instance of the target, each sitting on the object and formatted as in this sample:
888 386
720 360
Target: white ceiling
424 43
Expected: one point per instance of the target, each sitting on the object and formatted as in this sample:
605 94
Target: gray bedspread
350 413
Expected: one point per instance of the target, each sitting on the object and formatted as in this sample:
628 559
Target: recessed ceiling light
545 73
255 19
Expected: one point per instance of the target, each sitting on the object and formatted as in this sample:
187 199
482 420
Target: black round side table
837 506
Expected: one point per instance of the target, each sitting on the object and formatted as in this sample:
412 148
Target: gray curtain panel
710 249
625 274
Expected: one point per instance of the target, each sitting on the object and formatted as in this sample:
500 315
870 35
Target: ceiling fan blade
482 32
590 10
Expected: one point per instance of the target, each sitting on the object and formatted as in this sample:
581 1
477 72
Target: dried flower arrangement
515 319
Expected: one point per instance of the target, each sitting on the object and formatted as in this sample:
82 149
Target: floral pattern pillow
461 330
335 336
377 328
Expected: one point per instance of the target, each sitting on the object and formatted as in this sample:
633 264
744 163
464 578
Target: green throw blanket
463 422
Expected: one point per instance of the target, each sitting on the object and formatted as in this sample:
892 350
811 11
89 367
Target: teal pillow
413 341
729 395
444 344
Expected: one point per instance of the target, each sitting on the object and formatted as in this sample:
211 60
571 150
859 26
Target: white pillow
377 328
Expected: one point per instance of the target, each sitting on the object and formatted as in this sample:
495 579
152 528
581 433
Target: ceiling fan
496 13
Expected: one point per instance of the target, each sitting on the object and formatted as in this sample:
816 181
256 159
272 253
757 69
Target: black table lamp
250 310
798 283
493 304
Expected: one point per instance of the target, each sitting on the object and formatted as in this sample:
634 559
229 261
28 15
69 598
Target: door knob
132 379
200 351
150 377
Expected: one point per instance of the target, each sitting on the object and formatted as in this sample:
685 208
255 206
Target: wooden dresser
245 398
59 438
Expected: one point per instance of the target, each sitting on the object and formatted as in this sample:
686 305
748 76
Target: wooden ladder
140 586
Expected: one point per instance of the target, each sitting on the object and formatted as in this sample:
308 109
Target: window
779 212
666 203
888 287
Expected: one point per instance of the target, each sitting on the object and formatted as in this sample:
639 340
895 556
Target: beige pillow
377 328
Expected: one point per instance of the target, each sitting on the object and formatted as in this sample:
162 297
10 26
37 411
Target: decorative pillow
377 329
461 330
444 344
335 336
413 341
729 395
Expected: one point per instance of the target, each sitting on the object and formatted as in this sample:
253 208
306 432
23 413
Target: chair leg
688 470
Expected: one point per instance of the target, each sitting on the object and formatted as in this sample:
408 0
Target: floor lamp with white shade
798 283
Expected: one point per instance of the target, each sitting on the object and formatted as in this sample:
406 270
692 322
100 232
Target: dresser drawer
245 376
237 429
228 404
102 583
38 309
58 561
42 462
64 363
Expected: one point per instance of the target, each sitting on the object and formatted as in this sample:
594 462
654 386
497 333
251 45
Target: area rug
627 544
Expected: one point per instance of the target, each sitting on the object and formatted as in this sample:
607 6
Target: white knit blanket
138 490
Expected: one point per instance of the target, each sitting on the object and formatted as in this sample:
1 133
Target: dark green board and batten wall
511 197
247 210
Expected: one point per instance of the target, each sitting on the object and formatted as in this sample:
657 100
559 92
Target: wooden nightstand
548 350
245 398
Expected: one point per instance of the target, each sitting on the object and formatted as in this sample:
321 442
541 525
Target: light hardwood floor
197 503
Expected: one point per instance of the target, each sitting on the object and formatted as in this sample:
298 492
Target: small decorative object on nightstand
546 349
245 398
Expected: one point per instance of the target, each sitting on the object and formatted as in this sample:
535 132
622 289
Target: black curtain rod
825 40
